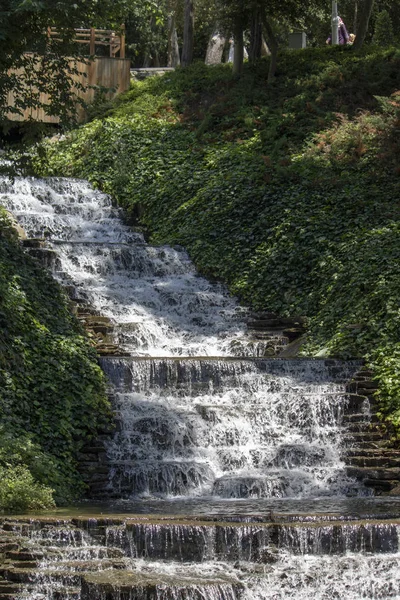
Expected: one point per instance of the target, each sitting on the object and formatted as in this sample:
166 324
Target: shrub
384 35
20 492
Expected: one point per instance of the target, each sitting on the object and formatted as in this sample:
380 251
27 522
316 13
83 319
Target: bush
384 35
20 492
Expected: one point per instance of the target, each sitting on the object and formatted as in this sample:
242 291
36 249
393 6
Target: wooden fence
115 42
108 74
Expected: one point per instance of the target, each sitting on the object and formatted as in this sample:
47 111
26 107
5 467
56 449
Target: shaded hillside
289 193
52 393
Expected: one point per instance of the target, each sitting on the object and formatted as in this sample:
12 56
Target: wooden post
112 45
92 48
122 49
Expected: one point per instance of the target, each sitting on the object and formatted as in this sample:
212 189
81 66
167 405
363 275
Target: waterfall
208 428
240 428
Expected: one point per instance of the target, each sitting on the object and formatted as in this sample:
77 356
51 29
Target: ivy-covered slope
52 393
287 192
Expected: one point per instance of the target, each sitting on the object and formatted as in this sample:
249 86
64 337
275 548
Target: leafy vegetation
52 393
288 192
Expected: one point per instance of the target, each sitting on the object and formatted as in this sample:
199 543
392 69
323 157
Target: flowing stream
232 461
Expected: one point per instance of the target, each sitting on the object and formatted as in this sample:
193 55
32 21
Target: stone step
358 404
7 546
9 588
69 572
272 327
259 336
363 436
17 529
382 485
358 387
26 564
67 593
369 385
390 452
365 445
100 329
87 311
90 319
369 393
47 257
24 556
373 461
360 418
362 428
370 473
110 350
34 243
146 586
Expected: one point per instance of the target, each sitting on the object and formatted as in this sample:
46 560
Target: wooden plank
92 47
102 72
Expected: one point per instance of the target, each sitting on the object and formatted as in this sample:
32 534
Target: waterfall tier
145 558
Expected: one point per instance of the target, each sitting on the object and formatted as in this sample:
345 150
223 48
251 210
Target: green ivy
52 391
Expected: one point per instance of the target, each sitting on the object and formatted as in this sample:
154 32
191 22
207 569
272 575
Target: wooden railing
98 37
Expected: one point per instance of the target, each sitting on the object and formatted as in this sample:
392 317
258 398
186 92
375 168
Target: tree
215 47
364 12
248 14
146 30
188 33
255 35
173 57
383 35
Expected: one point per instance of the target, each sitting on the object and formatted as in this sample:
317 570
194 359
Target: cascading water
205 422
228 428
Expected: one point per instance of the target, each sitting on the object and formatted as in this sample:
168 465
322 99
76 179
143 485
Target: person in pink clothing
343 35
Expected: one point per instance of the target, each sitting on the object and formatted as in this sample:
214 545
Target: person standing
343 35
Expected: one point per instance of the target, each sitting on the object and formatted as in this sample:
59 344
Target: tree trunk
255 36
355 21
273 46
238 49
265 51
215 48
148 57
365 11
173 58
188 34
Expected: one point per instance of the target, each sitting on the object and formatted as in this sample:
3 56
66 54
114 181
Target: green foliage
289 193
51 387
20 492
25 472
384 35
